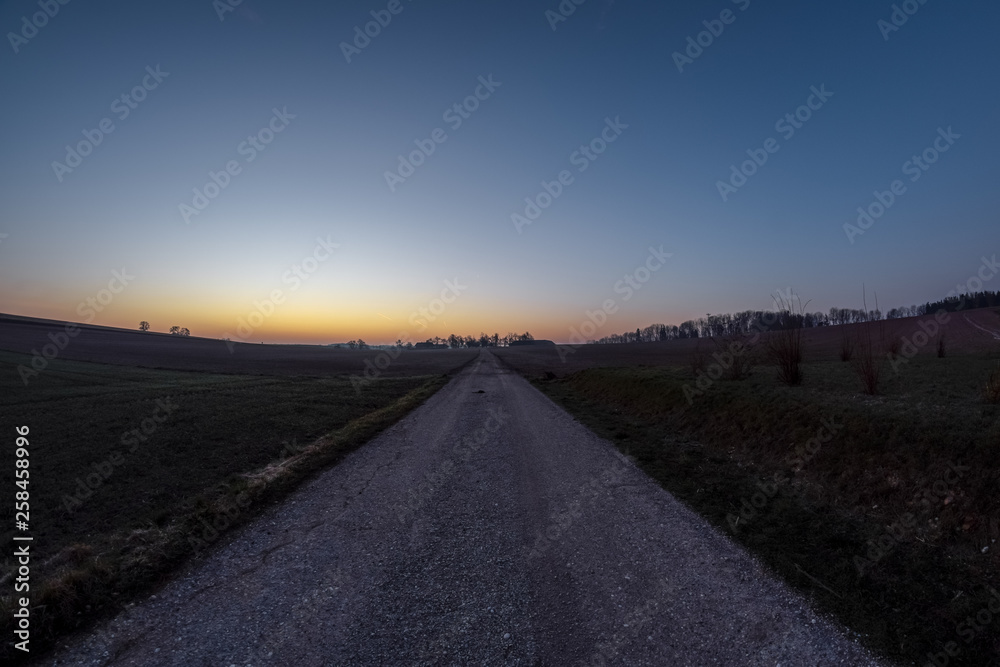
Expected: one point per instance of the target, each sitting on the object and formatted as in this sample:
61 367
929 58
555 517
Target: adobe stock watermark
88 310
31 26
420 494
915 167
628 286
735 352
581 158
608 652
901 13
967 630
931 496
560 522
787 126
103 470
713 30
381 18
454 116
295 276
223 7
249 148
930 327
755 505
122 106
420 318
562 12
223 518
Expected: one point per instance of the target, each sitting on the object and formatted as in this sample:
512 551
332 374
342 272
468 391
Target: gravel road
486 528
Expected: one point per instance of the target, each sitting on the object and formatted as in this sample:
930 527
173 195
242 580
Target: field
883 509
135 469
976 331
157 350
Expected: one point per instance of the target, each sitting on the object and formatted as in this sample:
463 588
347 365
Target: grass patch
866 517
168 454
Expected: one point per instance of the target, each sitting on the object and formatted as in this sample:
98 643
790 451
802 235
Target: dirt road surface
486 528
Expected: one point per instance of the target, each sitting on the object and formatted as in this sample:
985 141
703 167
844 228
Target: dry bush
846 346
894 345
991 392
869 364
784 347
737 354
869 367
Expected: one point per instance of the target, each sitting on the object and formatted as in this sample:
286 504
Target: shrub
870 362
738 356
893 346
846 346
991 392
784 347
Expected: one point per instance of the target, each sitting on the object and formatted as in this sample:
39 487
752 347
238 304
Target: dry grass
846 346
785 347
869 364
991 392
738 355
894 345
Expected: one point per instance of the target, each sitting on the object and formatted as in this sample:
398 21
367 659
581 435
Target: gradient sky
323 176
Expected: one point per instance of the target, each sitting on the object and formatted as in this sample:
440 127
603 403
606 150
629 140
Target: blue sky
323 175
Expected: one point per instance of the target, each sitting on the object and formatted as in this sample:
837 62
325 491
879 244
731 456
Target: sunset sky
278 71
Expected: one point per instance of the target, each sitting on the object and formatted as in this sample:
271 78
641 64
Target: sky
273 173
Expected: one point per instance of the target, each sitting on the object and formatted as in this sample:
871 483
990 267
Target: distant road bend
486 528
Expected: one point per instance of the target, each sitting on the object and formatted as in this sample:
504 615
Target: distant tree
362 345
144 326
185 331
175 331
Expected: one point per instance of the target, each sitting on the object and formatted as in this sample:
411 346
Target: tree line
745 322
453 341
965 302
